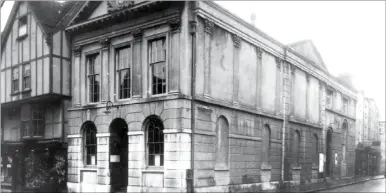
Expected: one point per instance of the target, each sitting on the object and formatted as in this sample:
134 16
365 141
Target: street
369 186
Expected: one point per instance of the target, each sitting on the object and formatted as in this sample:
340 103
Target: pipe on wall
284 121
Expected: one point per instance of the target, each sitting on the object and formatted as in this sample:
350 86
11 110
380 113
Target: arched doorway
118 155
329 153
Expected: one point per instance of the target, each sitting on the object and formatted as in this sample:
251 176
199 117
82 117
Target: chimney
253 19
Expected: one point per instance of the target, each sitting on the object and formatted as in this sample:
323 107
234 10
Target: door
328 153
118 155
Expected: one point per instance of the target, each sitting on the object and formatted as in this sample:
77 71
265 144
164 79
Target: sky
350 35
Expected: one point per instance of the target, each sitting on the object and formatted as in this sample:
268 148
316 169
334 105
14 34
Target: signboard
114 158
321 162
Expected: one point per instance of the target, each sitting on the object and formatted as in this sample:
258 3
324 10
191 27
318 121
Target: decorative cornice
105 42
293 68
278 62
209 26
48 38
137 34
118 5
175 25
259 52
236 40
192 26
77 50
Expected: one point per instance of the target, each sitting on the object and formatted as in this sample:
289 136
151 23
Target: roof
49 15
308 49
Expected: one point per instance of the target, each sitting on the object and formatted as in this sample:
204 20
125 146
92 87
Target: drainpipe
284 125
193 25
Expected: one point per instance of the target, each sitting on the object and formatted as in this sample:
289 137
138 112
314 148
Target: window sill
22 37
296 167
153 170
89 168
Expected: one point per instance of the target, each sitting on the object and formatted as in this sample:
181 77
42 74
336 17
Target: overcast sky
350 36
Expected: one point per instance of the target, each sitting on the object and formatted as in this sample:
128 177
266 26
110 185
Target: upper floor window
123 62
266 145
155 142
329 98
26 76
93 65
15 79
23 26
89 144
222 149
345 106
157 61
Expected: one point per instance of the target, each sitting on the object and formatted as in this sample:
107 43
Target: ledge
252 138
302 122
340 113
221 168
266 167
296 167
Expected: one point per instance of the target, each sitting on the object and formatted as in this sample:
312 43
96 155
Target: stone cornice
77 50
175 25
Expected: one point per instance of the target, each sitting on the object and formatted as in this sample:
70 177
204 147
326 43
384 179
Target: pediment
307 49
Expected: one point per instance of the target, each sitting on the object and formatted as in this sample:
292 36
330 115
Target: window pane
151 160
22 29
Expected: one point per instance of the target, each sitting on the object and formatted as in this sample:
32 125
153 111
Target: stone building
208 102
382 136
368 139
35 92
182 96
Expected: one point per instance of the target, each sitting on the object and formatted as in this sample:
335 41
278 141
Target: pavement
376 185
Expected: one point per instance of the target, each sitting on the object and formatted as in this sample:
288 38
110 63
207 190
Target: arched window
344 138
315 150
89 144
295 147
222 148
155 142
266 144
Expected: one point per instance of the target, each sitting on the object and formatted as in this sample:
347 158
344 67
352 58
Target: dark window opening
15 80
157 60
123 61
90 144
26 76
266 145
93 64
155 142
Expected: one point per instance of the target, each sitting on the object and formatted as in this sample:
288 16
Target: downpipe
284 121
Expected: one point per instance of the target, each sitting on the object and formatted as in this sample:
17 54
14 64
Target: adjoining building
35 93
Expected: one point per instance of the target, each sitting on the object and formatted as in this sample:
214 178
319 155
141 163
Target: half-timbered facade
35 86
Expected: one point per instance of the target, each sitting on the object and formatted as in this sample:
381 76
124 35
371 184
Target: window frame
86 130
17 80
26 76
149 39
23 18
117 70
98 54
331 97
147 149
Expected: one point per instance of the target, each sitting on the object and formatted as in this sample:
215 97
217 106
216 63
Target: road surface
369 186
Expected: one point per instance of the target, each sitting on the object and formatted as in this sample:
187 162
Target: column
175 52
136 64
307 96
103 170
259 52
105 42
278 85
292 98
76 94
209 25
236 50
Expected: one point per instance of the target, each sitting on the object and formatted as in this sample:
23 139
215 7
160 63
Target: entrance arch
118 154
329 153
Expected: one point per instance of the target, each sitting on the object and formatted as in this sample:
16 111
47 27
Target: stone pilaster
174 65
77 50
104 74
137 70
209 26
307 97
236 51
293 69
137 161
259 53
278 85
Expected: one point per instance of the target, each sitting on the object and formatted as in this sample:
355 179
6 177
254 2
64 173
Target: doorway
328 153
118 155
